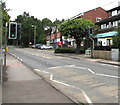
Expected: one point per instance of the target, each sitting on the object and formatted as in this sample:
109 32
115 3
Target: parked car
45 47
36 45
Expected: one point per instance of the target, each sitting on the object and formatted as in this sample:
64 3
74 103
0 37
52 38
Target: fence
102 54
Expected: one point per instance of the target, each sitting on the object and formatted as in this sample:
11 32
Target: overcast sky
53 9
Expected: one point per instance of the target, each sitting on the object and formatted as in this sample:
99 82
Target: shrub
68 50
65 50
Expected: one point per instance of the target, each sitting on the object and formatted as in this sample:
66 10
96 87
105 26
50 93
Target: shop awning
107 34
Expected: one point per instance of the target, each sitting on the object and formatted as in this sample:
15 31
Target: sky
52 9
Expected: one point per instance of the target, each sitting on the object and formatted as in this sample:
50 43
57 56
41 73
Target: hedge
67 50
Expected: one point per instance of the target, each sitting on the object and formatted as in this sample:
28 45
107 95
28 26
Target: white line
55 67
21 60
42 71
107 75
70 66
87 98
51 78
80 67
61 66
109 65
91 71
18 58
61 83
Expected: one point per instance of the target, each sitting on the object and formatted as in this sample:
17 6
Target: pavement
22 85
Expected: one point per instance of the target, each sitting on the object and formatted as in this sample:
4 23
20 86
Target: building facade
95 15
107 28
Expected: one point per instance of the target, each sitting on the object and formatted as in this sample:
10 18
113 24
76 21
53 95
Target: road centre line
62 83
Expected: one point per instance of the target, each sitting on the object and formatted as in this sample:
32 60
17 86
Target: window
118 11
118 21
114 13
115 23
110 25
98 19
103 26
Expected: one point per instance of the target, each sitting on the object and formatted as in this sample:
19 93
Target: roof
113 9
80 14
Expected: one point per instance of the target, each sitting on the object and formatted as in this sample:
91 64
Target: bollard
6 49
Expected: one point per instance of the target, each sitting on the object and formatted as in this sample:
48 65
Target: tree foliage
116 39
76 28
27 31
5 18
43 28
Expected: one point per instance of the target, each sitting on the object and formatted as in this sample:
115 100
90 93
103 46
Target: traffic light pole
90 32
93 46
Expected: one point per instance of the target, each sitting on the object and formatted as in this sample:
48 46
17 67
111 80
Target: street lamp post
34 34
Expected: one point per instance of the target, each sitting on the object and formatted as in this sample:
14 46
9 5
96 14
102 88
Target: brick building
95 15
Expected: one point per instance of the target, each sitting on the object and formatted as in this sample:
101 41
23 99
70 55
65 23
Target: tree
5 18
75 28
116 39
27 31
47 26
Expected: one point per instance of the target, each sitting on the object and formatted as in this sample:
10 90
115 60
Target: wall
92 14
103 54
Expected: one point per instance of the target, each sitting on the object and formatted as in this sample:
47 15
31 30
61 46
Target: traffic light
13 30
90 31
18 30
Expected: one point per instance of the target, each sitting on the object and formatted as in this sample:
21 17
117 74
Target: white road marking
87 98
110 65
65 84
91 71
107 75
61 83
69 66
51 77
61 66
80 67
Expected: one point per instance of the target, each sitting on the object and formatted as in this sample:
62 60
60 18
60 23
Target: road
88 82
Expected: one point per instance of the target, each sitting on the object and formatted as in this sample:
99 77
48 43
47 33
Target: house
95 15
107 28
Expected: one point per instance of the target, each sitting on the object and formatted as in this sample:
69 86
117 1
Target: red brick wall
93 14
